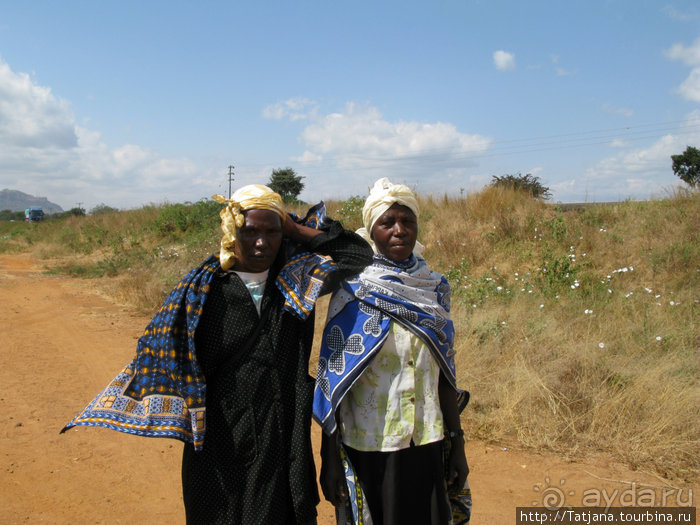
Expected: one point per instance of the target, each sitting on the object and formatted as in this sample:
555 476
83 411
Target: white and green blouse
395 400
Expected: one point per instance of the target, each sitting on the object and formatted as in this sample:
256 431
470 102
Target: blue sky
129 103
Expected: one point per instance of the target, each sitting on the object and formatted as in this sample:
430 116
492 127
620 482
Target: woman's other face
258 241
395 232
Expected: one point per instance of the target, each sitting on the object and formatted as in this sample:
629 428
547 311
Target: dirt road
61 342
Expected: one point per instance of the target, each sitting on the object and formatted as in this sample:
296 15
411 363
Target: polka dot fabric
256 466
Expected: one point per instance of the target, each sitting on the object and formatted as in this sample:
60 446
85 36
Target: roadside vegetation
577 331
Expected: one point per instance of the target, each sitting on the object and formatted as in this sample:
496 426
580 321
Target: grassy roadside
576 329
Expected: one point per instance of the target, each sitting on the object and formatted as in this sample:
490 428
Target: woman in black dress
224 364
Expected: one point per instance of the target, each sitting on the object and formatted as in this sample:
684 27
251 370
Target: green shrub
526 183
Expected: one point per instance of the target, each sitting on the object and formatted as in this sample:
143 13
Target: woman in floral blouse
386 393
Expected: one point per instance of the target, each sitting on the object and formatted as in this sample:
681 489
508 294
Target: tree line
289 185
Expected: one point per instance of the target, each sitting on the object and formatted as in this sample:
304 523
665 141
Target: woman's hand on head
297 232
289 227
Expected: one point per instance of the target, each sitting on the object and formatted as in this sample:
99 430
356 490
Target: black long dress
257 466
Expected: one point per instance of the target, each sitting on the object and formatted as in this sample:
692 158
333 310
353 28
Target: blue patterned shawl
358 323
162 392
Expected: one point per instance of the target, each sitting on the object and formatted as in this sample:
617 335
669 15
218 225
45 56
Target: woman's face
395 232
258 241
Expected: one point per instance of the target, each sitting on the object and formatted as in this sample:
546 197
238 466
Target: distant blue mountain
14 200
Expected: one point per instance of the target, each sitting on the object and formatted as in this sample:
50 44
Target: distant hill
14 200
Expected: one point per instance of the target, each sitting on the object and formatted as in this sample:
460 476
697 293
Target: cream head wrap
383 196
251 197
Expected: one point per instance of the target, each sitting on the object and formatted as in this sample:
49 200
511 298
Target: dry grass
603 355
576 330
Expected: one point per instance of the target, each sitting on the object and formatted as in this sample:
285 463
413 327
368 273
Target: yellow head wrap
251 197
383 195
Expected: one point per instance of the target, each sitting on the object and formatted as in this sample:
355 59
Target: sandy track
62 342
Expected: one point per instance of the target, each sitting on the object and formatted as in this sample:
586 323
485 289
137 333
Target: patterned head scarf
251 197
383 195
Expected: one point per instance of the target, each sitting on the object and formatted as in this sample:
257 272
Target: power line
608 130
501 148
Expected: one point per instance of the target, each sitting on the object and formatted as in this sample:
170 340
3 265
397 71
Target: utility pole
230 179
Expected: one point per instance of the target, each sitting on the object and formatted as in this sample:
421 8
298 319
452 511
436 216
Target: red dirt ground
62 341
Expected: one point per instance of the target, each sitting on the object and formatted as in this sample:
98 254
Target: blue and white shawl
359 317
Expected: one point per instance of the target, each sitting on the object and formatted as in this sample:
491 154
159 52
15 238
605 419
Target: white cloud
293 109
690 56
618 143
503 60
560 71
625 112
346 151
690 87
683 16
308 157
30 116
45 153
637 173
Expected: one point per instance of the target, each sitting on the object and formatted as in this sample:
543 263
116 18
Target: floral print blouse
395 400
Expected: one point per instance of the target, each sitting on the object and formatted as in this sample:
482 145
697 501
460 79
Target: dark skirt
404 487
